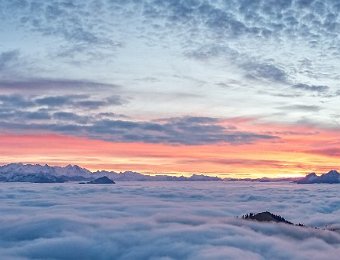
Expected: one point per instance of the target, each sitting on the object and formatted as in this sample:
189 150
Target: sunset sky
235 88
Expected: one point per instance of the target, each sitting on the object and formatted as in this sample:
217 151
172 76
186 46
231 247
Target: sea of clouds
167 220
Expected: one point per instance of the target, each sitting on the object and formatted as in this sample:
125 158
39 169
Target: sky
241 88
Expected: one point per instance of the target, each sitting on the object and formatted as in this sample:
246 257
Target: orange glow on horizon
297 151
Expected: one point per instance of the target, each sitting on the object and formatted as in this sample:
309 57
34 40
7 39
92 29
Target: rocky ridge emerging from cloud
330 177
267 216
101 180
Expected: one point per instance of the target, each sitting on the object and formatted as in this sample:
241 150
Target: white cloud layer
166 221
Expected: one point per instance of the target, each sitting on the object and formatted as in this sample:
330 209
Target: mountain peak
70 166
312 174
333 173
332 176
102 180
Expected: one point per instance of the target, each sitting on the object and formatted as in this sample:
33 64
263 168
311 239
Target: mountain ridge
20 172
330 177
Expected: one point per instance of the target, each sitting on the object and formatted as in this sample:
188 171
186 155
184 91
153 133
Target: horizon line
177 174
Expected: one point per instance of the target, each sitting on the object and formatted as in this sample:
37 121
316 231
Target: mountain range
36 173
329 177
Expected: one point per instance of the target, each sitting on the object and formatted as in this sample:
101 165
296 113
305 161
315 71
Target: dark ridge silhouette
266 216
102 180
330 177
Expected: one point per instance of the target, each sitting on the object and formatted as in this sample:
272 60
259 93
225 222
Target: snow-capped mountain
19 172
330 177
21 168
124 176
73 170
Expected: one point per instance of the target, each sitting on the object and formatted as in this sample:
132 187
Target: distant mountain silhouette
265 179
19 172
102 180
331 177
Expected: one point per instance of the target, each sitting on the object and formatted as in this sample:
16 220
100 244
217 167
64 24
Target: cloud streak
45 84
66 115
184 131
312 88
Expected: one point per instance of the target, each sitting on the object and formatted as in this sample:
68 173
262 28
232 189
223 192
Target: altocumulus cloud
163 220
8 59
290 47
232 18
195 23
